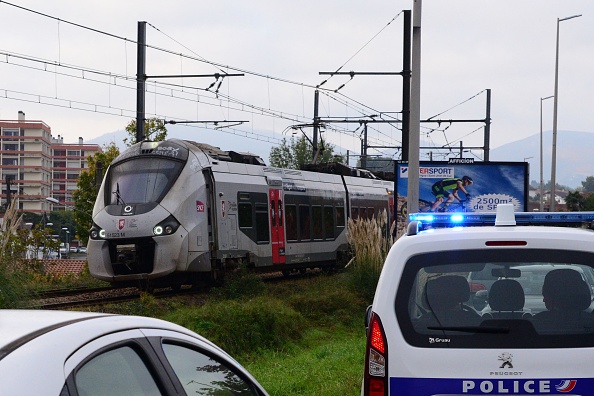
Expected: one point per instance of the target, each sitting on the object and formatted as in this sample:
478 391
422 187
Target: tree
154 129
589 203
86 193
298 152
588 184
574 201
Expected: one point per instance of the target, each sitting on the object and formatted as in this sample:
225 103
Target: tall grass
11 292
370 241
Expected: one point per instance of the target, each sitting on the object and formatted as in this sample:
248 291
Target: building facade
37 166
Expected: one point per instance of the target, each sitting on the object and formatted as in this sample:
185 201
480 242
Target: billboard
493 183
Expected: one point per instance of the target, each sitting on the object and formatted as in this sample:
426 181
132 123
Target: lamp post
541 166
556 97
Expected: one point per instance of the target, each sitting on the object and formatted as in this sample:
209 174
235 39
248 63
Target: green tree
86 193
298 152
589 202
154 129
574 201
588 184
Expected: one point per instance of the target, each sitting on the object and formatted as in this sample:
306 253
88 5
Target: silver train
180 212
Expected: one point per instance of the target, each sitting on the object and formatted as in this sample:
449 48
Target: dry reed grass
370 241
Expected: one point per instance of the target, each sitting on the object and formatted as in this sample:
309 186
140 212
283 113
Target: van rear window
499 298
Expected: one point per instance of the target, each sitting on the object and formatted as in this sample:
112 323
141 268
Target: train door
277 226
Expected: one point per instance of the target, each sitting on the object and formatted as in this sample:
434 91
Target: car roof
20 326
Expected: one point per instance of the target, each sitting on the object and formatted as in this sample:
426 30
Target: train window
262 229
328 222
245 215
304 223
370 213
354 213
291 217
141 180
280 213
318 232
340 216
363 213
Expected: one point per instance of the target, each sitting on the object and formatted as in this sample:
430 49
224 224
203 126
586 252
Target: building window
10 161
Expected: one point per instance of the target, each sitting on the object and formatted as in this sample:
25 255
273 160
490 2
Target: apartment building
37 165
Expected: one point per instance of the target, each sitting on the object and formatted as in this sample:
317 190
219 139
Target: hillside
575 151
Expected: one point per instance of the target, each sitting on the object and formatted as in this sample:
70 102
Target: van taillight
376 365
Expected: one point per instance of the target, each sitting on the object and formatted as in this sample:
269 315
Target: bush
241 327
242 283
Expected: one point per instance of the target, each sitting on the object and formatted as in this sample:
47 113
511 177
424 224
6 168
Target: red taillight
474 287
377 337
506 243
376 387
376 364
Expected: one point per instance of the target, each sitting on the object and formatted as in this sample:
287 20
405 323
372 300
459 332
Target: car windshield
520 302
141 180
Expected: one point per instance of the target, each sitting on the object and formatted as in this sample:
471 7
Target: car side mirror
368 316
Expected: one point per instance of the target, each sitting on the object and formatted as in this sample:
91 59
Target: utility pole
415 113
142 77
140 81
316 126
406 84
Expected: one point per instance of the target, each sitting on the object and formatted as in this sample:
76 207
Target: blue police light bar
482 219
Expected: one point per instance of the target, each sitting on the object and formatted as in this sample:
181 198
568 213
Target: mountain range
575 151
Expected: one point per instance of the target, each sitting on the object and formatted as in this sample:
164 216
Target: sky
72 64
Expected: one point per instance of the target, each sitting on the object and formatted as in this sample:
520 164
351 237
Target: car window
203 375
116 372
434 300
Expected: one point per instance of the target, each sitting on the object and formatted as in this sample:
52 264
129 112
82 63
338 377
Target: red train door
277 227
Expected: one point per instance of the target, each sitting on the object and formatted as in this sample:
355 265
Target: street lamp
541 166
556 97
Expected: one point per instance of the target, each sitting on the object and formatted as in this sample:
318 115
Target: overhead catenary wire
349 103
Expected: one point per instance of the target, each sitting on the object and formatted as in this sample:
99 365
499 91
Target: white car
80 353
424 336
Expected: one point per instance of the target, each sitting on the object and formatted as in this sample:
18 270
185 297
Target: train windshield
142 180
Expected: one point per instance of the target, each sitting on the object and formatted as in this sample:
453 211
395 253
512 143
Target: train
177 212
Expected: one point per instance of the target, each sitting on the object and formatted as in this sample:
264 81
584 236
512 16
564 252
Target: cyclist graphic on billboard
449 188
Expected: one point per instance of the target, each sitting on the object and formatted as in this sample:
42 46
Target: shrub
242 327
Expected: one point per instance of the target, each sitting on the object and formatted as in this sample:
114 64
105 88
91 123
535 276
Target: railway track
82 296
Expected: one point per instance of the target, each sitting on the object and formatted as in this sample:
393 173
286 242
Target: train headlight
97 232
166 227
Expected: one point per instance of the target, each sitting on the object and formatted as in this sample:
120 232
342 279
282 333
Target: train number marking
199 206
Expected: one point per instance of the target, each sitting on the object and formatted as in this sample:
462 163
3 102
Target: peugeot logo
128 209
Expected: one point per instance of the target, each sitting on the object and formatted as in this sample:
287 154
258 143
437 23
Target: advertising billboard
492 183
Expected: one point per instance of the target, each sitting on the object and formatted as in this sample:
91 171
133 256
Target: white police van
535 334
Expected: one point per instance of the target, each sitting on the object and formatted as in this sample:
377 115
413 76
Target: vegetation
370 241
154 130
87 186
298 337
20 252
298 152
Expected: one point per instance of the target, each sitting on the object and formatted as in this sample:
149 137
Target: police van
532 335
